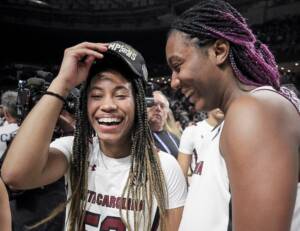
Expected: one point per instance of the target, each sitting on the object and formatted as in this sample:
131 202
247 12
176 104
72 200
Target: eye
95 95
176 67
121 94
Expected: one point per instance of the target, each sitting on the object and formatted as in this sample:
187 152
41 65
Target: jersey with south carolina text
106 180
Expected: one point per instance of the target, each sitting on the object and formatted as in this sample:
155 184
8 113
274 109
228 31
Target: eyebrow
117 88
121 88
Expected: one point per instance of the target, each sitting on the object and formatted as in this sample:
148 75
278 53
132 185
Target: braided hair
251 61
145 175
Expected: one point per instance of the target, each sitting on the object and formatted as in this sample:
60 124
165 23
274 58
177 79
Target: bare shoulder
265 112
260 143
255 124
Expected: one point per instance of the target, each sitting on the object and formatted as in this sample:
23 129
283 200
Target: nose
175 82
108 105
157 107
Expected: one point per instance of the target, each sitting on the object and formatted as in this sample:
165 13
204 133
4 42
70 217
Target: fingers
89 60
87 49
77 62
100 47
81 53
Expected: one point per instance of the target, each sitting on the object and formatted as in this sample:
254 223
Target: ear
220 51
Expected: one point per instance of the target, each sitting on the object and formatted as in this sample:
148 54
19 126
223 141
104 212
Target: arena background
34 34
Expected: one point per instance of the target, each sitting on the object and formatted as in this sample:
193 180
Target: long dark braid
78 169
145 176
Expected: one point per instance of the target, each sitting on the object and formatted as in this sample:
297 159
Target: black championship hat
127 56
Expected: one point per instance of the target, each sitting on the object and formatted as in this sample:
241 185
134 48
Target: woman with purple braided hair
247 176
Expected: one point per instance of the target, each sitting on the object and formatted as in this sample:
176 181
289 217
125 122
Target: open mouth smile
109 121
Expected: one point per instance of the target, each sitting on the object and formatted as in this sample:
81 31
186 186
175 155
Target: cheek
151 112
91 108
131 121
131 110
132 116
188 74
195 74
165 113
194 70
89 112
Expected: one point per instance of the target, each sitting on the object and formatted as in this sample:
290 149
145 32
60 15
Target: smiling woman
116 178
249 170
111 109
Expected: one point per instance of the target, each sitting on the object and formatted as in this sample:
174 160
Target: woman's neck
116 151
232 90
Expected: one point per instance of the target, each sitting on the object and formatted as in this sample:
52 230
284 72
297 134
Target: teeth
109 120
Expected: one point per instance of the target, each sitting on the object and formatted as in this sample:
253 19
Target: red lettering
112 203
105 201
112 223
91 219
92 196
199 167
99 199
119 203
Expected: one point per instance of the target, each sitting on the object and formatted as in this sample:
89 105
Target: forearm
5 214
28 153
173 218
184 161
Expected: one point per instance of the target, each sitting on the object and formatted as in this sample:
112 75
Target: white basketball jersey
106 181
207 203
192 139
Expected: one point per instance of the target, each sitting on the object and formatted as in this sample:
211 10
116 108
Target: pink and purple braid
252 62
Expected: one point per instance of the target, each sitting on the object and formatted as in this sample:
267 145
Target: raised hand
77 62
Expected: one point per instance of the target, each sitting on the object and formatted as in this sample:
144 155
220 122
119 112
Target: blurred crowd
282 35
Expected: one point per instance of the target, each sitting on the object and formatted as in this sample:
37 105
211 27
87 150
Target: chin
113 143
107 138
